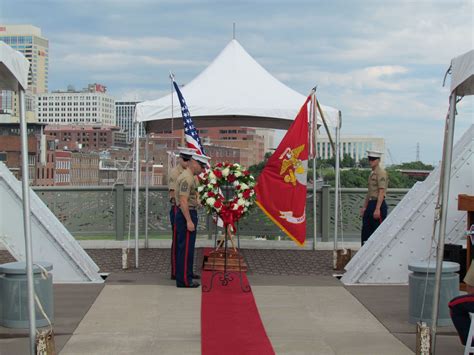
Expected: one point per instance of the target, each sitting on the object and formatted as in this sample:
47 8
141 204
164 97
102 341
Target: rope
436 216
134 177
44 339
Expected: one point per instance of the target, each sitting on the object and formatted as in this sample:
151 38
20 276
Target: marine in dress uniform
187 220
184 157
375 208
461 306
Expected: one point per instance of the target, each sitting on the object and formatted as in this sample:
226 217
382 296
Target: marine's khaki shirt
378 179
469 278
174 173
186 186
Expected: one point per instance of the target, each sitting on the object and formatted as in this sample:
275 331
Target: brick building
45 170
62 168
86 138
85 168
10 148
252 145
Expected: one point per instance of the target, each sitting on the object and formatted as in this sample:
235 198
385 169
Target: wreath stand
223 261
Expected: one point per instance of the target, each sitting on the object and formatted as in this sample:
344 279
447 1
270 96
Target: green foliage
256 169
347 161
413 165
355 174
397 180
364 163
354 178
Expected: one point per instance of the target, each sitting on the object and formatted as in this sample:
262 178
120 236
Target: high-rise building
124 112
28 40
90 106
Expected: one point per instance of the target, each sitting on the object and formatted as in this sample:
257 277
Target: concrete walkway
322 320
300 318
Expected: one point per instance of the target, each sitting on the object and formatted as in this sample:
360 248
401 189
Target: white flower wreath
211 196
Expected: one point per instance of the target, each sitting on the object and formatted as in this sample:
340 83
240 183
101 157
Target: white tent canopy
462 74
13 68
233 90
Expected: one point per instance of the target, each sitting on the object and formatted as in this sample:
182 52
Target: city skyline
382 65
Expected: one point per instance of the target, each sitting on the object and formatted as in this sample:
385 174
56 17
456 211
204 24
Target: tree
354 178
256 169
364 163
414 165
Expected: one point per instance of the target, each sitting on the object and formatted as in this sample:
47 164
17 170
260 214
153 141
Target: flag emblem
293 168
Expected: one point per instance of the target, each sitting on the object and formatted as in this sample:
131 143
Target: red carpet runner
230 322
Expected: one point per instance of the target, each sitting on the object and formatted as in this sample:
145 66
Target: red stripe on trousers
173 251
461 300
186 260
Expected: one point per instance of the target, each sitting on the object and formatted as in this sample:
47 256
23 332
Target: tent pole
147 183
26 220
445 179
315 130
336 194
137 184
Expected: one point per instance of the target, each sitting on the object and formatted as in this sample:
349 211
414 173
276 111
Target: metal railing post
325 213
119 211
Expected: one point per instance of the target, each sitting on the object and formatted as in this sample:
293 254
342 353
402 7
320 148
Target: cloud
384 77
139 94
128 43
381 63
117 61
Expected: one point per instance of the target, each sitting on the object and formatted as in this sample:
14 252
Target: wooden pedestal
215 261
340 258
466 203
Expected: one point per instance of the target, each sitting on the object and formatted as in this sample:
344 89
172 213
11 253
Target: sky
381 63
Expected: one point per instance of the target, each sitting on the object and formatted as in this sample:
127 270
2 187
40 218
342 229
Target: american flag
190 133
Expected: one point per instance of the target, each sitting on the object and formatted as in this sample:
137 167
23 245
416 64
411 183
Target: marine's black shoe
193 285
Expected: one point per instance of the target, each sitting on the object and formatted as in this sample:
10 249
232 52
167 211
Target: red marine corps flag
281 187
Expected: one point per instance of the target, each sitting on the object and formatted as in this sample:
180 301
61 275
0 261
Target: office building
355 146
90 106
124 112
28 40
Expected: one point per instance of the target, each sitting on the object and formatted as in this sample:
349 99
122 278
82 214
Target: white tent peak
234 84
13 68
234 65
462 79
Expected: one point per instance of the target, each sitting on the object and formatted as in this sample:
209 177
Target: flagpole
147 184
336 202
137 184
315 130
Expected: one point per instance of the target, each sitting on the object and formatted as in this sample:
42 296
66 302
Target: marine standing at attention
187 220
375 208
184 157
